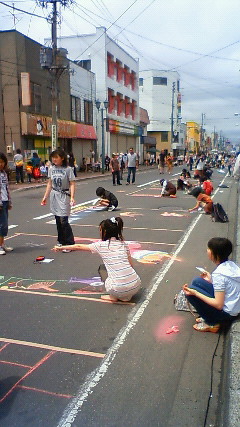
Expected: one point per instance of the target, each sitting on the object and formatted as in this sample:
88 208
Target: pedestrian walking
61 188
216 296
5 204
132 164
115 168
18 161
107 163
29 170
72 163
162 160
169 161
36 166
121 280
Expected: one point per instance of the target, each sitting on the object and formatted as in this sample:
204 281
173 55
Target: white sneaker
111 208
2 251
7 249
59 245
66 251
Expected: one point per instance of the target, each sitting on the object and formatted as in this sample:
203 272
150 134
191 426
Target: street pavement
70 359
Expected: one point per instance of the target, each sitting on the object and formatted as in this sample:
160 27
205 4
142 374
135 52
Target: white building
159 94
83 94
116 81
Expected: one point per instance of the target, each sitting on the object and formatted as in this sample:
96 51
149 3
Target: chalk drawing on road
131 214
72 286
151 257
175 214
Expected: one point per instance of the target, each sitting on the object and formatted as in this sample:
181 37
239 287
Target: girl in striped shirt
122 281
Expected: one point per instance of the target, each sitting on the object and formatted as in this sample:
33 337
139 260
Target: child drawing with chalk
106 199
216 296
121 280
61 189
203 200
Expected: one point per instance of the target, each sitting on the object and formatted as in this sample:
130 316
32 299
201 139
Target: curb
92 176
233 415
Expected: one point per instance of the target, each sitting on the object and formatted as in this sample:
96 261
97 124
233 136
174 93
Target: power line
24 11
135 1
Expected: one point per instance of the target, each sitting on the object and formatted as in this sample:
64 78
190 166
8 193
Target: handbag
182 304
19 163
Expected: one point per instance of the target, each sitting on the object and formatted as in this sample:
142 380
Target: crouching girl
121 280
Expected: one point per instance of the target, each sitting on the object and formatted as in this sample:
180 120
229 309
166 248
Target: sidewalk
80 177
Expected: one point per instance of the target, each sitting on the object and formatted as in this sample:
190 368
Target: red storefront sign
33 124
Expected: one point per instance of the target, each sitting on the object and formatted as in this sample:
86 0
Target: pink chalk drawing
173 214
172 329
131 214
43 285
168 327
144 195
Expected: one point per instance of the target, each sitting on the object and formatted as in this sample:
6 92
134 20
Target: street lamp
104 107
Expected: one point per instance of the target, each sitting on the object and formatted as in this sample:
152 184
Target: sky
198 38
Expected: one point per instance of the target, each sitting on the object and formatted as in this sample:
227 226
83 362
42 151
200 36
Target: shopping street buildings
116 82
159 94
26 107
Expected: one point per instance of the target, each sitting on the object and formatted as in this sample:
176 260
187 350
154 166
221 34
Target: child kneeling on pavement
107 199
121 280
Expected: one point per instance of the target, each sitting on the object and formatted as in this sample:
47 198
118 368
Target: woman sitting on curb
216 297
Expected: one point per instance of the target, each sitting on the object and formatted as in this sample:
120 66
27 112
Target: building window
76 109
127 77
160 81
164 136
111 100
88 112
110 65
36 98
119 70
140 81
127 106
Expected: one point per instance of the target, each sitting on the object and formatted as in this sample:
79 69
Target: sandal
199 320
203 327
109 298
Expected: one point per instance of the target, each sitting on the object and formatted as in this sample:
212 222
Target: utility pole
172 120
55 62
202 131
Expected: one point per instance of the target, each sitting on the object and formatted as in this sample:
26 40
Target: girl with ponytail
120 279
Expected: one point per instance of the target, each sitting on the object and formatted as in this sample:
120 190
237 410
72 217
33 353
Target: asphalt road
70 359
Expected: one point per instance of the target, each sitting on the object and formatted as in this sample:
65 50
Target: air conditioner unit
9 149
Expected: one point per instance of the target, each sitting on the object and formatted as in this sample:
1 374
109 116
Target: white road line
86 389
43 216
147 183
12 226
89 202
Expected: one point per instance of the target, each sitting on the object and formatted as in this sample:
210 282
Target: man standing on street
115 168
132 163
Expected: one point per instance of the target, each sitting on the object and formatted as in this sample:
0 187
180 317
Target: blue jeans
210 314
133 171
4 219
19 174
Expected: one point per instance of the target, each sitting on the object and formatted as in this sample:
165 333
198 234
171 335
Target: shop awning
85 131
